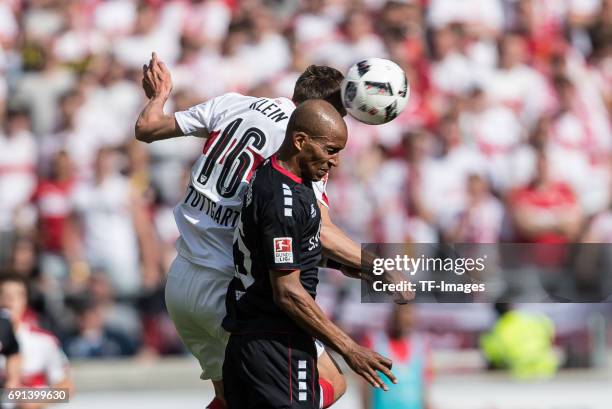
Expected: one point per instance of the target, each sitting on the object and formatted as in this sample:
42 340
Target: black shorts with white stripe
271 371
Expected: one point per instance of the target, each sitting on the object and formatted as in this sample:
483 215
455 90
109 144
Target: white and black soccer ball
375 91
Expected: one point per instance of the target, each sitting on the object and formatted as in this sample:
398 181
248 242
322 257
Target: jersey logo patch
313 212
283 250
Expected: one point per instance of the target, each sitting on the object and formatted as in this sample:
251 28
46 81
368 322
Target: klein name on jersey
221 215
269 109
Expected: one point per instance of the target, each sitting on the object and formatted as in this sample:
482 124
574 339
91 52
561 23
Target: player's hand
397 277
156 81
146 85
366 363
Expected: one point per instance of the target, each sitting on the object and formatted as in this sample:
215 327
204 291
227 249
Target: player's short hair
320 82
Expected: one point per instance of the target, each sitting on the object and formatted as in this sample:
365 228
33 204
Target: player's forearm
153 125
338 246
305 312
352 272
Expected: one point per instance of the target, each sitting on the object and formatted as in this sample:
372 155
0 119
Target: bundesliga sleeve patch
283 251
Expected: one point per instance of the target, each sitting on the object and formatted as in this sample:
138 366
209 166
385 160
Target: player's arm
152 124
282 235
298 304
342 252
336 244
346 255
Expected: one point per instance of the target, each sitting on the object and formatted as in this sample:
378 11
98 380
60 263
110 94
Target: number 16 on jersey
230 159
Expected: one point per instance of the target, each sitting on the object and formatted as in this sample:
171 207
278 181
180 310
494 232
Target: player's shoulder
273 183
265 180
232 98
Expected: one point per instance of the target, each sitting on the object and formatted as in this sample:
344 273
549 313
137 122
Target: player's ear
299 139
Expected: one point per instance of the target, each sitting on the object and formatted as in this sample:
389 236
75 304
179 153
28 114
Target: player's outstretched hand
156 81
366 363
397 277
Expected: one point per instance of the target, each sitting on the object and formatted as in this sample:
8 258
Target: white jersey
243 132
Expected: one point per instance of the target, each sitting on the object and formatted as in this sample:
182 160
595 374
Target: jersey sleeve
197 118
204 116
319 191
281 221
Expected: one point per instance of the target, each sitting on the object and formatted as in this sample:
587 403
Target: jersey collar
284 171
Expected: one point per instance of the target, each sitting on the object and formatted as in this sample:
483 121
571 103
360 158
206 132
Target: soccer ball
375 91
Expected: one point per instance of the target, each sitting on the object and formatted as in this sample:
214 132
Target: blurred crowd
506 137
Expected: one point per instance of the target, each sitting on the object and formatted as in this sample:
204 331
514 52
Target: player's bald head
316 133
317 118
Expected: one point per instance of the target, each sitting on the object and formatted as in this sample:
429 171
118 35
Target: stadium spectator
449 177
451 71
358 41
495 130
482 218
68 135
43 363
522 343
52 199
94 339
153 29
117 316
40 88
18 153
476 14
545 211
516 84
110 211
412 364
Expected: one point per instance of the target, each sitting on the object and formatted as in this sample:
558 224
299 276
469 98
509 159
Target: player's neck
288 162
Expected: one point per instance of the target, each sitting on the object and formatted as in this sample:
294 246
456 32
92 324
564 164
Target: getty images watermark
409 266
492 272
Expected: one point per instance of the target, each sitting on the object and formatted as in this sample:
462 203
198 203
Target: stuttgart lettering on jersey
221 215
269 109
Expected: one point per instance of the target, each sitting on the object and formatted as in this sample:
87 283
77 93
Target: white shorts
195 298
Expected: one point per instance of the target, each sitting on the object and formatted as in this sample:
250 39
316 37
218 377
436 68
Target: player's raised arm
152 124
290 295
